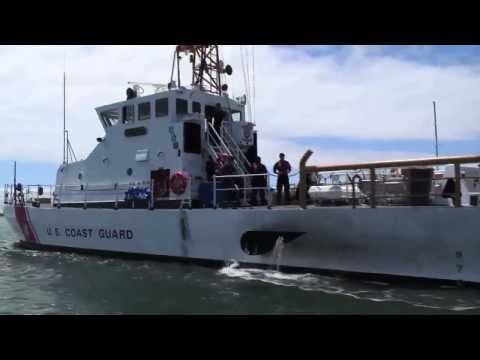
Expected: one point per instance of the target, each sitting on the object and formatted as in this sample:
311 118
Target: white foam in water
376 283
278 251
360 290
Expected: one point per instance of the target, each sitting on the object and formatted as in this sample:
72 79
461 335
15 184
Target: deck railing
373 167
29 194
240 190
85 194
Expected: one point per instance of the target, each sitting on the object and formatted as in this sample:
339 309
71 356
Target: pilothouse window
196 107
161 107
110 117
209 111
182 106
144 111
128 114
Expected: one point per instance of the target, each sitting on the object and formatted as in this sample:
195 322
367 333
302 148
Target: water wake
438 298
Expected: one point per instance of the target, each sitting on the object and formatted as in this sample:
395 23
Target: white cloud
296 95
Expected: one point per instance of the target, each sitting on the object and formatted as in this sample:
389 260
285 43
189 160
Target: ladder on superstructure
225 144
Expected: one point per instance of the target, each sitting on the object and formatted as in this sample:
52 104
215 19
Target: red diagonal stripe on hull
22 220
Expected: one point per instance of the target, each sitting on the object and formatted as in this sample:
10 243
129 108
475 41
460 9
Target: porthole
129 171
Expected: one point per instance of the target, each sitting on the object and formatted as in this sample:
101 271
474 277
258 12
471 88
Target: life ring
178 183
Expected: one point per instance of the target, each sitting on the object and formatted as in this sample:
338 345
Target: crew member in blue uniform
258 182
210 168
282 168
227 168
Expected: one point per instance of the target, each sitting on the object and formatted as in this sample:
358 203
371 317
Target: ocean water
33 282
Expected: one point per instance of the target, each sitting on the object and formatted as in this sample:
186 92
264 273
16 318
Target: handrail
399 163
244 188
86 194
232 141
373 166
220 143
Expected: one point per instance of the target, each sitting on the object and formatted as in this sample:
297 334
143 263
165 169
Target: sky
346 103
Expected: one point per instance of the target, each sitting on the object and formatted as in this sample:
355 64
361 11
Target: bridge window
161 107
144 111
182 106
110 117
209 111
192 138
196 107
128 114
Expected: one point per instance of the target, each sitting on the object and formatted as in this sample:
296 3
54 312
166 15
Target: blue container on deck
205 192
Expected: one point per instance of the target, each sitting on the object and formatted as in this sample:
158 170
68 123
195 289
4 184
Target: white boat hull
422 242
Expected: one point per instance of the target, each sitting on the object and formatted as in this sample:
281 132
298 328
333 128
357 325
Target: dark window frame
209 111
126 117
143 117
162 101
183 106
109 118
194 105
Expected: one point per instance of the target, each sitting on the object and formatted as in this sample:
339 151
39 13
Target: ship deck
275 207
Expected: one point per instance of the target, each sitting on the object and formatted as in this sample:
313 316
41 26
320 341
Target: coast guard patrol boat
145 190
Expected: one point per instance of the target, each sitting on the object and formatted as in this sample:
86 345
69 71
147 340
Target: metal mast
206 67
435 125
15 183
64 129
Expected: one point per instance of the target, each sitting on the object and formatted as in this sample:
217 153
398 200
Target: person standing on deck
227 168
218 117
210 168
258 182
282 168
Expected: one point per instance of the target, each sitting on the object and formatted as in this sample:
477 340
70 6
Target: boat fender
178 183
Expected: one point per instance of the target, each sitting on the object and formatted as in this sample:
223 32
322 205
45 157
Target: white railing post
269 193
152 198
116 195
190 192
245 190
214 190
85 196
